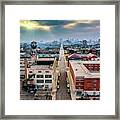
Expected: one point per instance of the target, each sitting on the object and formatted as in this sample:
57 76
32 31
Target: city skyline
60 60
51 30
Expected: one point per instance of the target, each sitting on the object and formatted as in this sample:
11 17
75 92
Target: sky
50 30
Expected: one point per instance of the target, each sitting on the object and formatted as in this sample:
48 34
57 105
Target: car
68 85
58 86
31 92
68 90
58 82
36 95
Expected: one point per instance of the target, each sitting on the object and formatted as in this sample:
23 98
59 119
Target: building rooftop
97 61
79 56
75 56
87 55
81 71
46 55
40 67
46 59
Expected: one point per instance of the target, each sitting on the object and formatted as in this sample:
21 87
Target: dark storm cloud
53 22
56 29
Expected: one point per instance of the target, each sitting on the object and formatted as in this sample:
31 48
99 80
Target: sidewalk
72 86
54 83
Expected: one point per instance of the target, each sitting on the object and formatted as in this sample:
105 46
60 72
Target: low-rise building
22 69
42 73
84 57
25 60
86 78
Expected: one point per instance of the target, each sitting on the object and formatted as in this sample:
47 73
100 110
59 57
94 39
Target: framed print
60 60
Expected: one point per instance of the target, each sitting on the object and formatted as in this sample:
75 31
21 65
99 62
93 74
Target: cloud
56 29
52 22
32 25
75 23
70 25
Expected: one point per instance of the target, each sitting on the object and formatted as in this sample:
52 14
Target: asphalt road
62 93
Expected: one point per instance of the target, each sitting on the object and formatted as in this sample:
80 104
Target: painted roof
76 56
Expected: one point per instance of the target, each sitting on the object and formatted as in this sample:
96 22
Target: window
31 75
47 71
40 81
94 93
40 86
48 81
22 66
77 87
78 93
77 83
94 89
46 86
30 71
48 76
39 71
95 81
39 76
22 76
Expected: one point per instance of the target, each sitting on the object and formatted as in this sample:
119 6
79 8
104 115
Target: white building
29 62
22 69
42 73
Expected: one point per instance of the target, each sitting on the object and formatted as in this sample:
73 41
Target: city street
62 93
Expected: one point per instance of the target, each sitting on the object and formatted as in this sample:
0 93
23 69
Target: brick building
86 78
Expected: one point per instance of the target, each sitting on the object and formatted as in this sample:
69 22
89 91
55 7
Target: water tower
33 47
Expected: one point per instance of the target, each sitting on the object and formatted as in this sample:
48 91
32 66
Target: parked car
68 90
58 86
